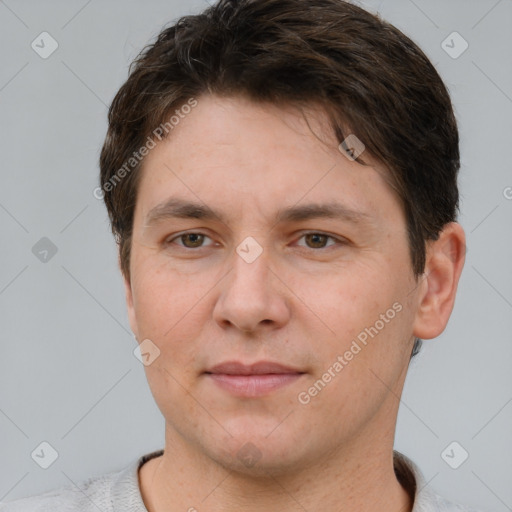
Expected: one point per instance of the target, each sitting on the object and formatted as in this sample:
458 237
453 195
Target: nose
252 297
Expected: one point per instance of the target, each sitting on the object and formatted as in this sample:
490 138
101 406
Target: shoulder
88 495
439 504
116 491
425 498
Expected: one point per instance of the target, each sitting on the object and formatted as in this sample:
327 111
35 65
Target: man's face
258 285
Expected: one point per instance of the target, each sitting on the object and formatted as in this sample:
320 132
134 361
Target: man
281 177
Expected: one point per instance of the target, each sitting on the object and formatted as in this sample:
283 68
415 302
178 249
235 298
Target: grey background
67 372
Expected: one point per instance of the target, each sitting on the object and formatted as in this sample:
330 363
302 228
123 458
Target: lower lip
253 385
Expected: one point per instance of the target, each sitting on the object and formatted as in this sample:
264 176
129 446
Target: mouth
252 380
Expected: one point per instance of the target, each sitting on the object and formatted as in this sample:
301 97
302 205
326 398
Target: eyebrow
179 208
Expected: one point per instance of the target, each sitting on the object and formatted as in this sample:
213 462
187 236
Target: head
245 110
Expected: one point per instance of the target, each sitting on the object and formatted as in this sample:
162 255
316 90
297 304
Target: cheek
164 299
368 314
352 298
168 384
171 309
360 366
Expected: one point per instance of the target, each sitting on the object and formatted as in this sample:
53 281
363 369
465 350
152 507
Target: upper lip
259 368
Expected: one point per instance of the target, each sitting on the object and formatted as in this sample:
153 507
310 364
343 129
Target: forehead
233 151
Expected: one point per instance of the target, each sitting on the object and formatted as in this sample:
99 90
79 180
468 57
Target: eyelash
178 237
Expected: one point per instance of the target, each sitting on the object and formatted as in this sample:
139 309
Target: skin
301 303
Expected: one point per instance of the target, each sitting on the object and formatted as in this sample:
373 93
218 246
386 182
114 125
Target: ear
129 303
444 262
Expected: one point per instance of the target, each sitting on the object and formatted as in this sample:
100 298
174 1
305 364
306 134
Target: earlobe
444 262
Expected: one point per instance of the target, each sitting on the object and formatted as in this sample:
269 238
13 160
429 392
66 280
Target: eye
195 240
192 240
318 240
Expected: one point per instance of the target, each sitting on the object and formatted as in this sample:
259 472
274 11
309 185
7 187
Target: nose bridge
250 267
249 295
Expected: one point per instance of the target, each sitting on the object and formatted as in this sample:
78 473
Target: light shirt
119 491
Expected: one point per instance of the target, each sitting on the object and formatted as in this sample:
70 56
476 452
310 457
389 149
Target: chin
256 453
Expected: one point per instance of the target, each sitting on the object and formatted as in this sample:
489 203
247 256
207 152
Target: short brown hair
371 79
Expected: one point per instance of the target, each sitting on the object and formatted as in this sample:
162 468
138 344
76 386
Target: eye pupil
323 238
197 239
